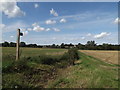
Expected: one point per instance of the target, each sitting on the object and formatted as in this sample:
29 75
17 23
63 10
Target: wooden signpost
17 44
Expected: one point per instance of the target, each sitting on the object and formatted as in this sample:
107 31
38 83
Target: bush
16 66
48 59
71 56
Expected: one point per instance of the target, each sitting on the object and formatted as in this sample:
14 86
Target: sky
46 23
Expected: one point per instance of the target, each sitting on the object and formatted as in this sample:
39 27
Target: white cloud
36 5
53 12
11 36
2 26
14 26
56 29
38 28
50 22
63 20
89 34
25 33
23 29
29 29
83 38
48 29
11 9
117 20
101 35
54 38
35 24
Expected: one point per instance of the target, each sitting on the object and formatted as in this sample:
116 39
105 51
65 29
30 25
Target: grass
88 72
32 51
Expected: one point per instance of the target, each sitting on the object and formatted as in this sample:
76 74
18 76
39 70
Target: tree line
90 45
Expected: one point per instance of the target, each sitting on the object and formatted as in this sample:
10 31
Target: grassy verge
88 73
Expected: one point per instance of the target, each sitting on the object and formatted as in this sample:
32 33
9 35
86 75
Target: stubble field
107 56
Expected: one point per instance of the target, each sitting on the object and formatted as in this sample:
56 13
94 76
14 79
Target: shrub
21 65
16 66
65 56
71 56
48 59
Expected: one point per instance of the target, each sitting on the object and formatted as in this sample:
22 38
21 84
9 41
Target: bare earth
107 56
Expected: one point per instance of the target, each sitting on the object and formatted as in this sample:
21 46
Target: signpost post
17 44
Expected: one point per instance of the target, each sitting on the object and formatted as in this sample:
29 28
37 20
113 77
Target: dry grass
107 56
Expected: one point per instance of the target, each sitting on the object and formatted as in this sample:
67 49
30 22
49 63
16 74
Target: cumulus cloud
11 9
29 29
36 5
35 24
63 20
117 20
2 26
48 29
50 22
13 26
83 38
101 35
56 29
38 28
89 34
53 12
11 36
25 33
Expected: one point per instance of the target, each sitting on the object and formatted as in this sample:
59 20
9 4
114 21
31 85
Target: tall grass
30 70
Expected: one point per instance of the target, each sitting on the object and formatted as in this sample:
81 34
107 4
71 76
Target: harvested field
107 56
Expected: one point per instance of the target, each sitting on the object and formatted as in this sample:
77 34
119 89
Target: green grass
88 73
31 51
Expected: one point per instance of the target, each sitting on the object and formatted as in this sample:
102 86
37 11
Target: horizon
61 43
53 23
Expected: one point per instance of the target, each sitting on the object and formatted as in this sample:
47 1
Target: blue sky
61 22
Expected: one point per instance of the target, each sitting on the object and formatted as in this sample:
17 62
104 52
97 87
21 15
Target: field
88 71
32 51
107 56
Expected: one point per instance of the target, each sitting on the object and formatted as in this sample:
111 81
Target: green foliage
16 66
71 55
48 59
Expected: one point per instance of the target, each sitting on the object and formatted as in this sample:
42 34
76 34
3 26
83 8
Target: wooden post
17 44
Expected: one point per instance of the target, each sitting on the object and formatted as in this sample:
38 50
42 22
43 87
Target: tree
5 44
53 46
62 45
12 44
22 44
91 45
